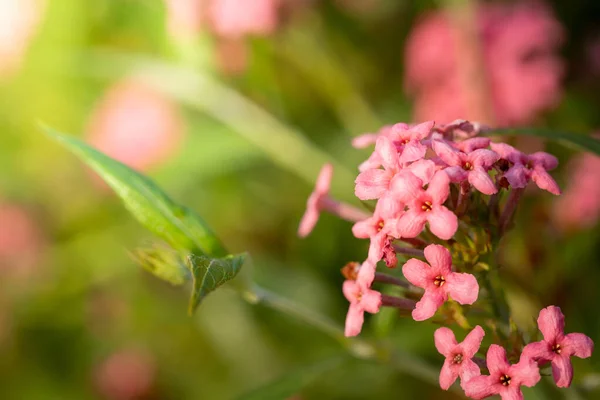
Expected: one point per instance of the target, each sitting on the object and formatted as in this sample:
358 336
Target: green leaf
177 225
166 264
569 139
294 381
210 273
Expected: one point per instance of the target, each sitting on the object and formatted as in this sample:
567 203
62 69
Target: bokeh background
232 106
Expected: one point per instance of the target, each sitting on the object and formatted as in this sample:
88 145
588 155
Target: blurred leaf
292 382
177 225
164 263
568 139
210 273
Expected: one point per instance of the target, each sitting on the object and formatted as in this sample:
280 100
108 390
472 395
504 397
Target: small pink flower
557 348
473 166
459 356
316 201
472 144
361 299
408 139
439 281
424 205
504 379
373 183
524 168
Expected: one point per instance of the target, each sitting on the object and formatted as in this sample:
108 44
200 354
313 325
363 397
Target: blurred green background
242 126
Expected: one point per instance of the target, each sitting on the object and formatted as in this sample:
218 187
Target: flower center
380 225
503 165
556 348
439 282
457 359
426 206
505 380
467 166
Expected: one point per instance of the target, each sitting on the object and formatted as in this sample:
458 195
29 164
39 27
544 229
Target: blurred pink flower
18 22
316 201
21 241
579 205
185 18
135 125
234 19
521 70
127 374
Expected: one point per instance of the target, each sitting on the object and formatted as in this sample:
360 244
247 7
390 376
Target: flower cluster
445 195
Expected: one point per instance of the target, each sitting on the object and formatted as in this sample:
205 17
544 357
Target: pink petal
376 247
389 207
472 144
448 375
462 287
508 152
511 393
577 344
439 187
412 151
545 181
351 290
517 176
362 141
388 153
482 181
406 186
308 222
457 174
472 342
421 131
480 387
496 360
373 162
447 153
417 272
411 223
468 371
483 158
371 301
551 323
366 273
538 351
428 305
525 372
547 161
439 258
364 229
444 340
442 222
423 169
354 320
562 371
324 179
372 184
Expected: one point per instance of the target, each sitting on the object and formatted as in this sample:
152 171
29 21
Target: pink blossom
184 17
472 166
374 183
459 356
234 19
524 168
127 374
315 202
557 348
508 79
408 139
135 125
424 205
361 299
504 379
439 281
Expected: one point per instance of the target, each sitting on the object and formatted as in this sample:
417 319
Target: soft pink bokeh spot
517 49
21 241
237 18
125 375
19 20
185 18
135 125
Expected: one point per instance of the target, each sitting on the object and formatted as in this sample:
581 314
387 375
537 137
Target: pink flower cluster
502 68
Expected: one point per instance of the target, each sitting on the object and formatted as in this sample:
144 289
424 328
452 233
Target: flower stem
409 251
343 210
385 278
509 209
397 302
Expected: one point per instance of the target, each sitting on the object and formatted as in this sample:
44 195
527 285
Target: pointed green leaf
177 225
210 273
166 264
293 382
569 139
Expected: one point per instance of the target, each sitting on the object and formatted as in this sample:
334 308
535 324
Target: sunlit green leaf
569 139
166 264
210 273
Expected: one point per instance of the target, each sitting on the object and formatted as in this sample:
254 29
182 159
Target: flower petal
366 273
472 342
443 223
354 320
511 392
365 140
577 344
481 181
387 151
444 340
428 305
517 176
472 144
457 174
411 223
406 186
370 301
496 360
483 158
421 131
308 222
562 370
468 371
439 258
448 375
545 181
372 184
439 187
462 287
351 290
324 179
480 387
538 351
547 161
364 229
423 169
447 153
417 272
508 152
551 323
373 162
525 372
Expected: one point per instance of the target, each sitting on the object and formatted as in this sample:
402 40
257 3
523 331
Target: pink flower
374 183
424 205
459 356
471 166
361 299
504 379
408 139
316 201
184 17
557 348
439 281
524 168
234 19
